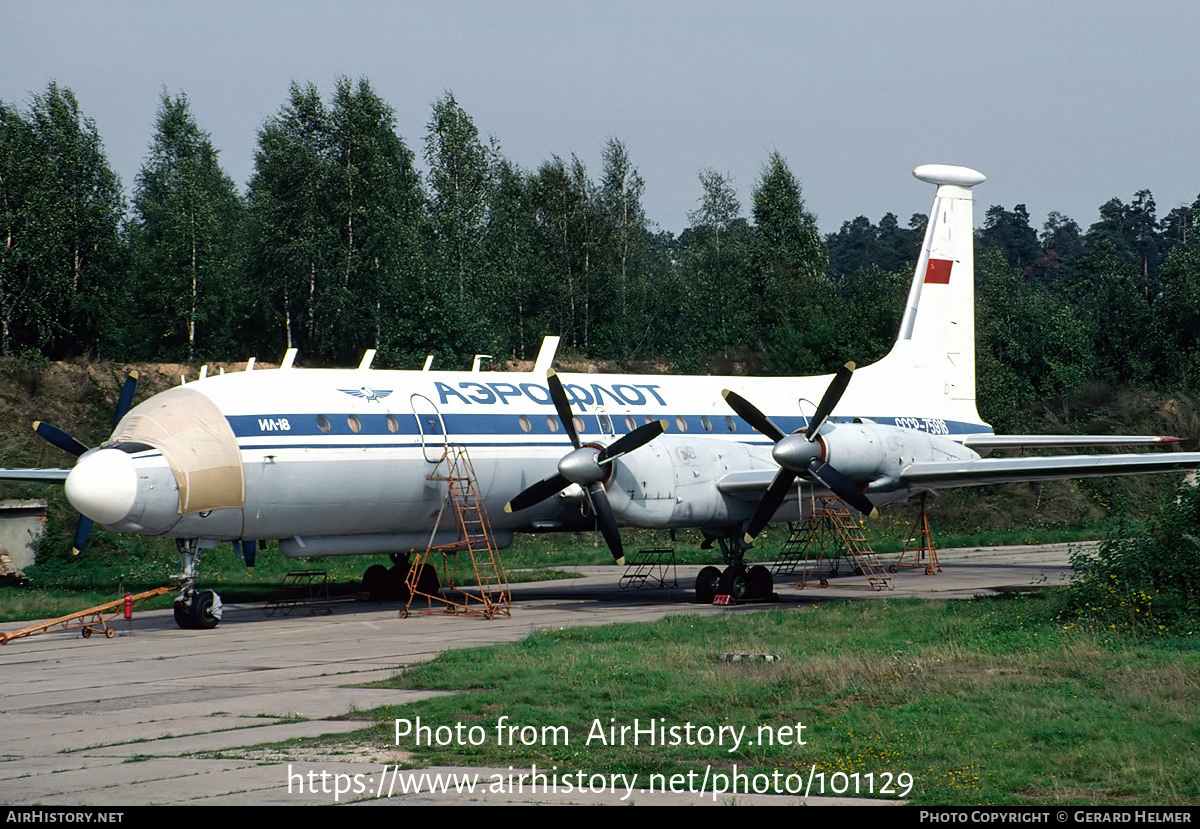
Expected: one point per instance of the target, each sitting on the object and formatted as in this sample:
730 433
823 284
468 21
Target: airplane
341 462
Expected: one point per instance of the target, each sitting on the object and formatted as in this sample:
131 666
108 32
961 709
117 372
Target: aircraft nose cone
103 485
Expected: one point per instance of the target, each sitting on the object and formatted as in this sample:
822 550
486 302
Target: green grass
990 701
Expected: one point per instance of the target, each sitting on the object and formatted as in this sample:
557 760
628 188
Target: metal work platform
655 567
817 546
920 544
300 587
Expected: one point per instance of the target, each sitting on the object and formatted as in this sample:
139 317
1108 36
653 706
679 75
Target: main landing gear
194 609
737 581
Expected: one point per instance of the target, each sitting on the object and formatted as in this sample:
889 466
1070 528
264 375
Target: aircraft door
605 422
430 426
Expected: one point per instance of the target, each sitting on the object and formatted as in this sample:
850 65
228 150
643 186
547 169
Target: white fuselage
350 454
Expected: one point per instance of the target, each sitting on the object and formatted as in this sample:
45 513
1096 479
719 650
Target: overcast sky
1062 106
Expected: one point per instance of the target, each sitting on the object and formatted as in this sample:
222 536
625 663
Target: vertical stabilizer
935 350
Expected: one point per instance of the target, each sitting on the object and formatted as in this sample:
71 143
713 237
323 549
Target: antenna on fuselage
250 364
368 358
289 357
479 358
428 362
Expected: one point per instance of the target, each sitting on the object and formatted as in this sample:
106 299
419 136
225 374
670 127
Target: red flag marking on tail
938 271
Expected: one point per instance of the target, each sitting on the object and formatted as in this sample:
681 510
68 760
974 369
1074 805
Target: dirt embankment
78 397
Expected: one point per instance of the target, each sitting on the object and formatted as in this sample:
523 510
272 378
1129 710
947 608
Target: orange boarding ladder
489 595
818 544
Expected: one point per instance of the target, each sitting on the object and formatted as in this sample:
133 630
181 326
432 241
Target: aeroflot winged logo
367 393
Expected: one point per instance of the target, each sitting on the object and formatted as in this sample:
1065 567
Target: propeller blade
748 412
636 439
842 486
770 502
59 438
73 446
125 401
82 530
537 493
562 405
837 387
607 521
583 468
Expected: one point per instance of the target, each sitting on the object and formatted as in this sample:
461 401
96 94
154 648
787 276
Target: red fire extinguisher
128 607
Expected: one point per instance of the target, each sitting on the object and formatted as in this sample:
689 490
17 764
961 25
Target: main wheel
759 582
733 583
183 615
375 581
397 582
207 610
706 584
428 581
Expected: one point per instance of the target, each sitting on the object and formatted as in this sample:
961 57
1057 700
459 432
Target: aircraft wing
35 476
985 442
751 484
929 474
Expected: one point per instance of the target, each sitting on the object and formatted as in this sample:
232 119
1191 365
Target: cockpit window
130 448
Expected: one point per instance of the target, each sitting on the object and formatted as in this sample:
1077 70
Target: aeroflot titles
620 394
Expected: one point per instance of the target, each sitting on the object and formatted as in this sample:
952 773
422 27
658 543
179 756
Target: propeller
73 446
587 466
799 454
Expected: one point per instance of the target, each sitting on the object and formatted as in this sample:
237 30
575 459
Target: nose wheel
194 609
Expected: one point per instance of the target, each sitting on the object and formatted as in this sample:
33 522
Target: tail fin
934 355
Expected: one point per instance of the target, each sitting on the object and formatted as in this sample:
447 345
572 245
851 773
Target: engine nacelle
874 455
671 482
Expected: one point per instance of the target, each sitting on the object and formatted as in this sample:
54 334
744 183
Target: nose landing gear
194 609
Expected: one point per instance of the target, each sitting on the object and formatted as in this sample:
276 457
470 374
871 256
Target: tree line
339 244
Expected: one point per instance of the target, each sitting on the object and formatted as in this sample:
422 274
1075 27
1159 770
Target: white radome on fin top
949 174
